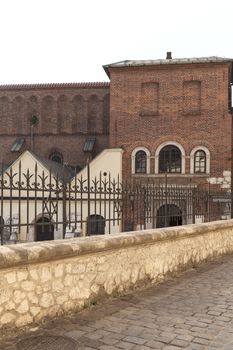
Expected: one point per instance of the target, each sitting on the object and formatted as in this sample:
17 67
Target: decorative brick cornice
85 85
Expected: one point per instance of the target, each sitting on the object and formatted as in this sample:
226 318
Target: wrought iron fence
43 205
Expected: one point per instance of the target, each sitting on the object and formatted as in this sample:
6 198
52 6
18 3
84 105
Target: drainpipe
88 193
34 121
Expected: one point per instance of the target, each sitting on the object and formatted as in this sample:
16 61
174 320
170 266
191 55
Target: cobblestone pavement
193 311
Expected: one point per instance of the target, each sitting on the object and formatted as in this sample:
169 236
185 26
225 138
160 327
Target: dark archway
168 215
44 230
95 225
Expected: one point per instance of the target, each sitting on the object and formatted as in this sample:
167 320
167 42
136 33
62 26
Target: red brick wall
211 127
63 113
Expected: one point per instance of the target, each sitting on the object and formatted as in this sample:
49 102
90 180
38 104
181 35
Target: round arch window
56 157
140 162
200 162
170 159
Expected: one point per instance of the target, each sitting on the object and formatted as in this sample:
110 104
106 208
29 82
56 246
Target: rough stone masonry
41 280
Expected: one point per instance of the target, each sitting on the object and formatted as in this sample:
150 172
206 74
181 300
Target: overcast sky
46 41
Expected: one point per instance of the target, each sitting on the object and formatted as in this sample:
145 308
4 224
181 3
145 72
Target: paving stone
135 340
180 343
125 345
155 344
184 336
195 347
143 347
76 334
201 341
107 347
109 340
215 313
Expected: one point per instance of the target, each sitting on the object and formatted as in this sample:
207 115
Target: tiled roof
87 85
192 60
62 171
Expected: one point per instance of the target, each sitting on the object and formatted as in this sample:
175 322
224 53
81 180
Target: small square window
17 145
89 144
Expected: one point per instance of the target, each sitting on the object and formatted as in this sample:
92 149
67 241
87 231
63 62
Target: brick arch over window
18 114
4 110
93 113
62 114
56 157
106 111
48 115
170 143
207 159
134 156
79 114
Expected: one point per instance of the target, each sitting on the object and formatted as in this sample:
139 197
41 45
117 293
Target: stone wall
41 280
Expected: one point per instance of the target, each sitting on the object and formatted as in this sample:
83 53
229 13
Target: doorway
95 225
44 229
168 215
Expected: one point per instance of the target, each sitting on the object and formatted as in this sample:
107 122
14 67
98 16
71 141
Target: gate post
63 206
165 209
88 198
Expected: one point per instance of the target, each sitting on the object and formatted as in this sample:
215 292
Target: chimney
169 55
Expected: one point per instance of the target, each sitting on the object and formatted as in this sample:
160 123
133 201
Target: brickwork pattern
207 92
66 116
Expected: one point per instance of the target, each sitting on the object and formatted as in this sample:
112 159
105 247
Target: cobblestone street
193 311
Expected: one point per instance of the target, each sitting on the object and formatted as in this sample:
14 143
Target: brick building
65 117
170 116
173 116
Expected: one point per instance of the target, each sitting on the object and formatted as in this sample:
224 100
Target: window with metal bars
170 159
200 162
140 162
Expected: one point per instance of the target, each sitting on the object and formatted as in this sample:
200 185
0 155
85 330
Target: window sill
148 115
198 113
172 175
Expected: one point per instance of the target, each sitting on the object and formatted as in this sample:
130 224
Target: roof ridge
164 61
84 85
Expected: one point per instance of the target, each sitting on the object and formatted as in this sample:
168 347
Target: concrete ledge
31 253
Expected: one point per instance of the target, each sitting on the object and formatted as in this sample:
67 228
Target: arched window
200 162
170 159
56 157
140 162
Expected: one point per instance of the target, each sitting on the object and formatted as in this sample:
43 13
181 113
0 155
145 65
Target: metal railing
41 205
